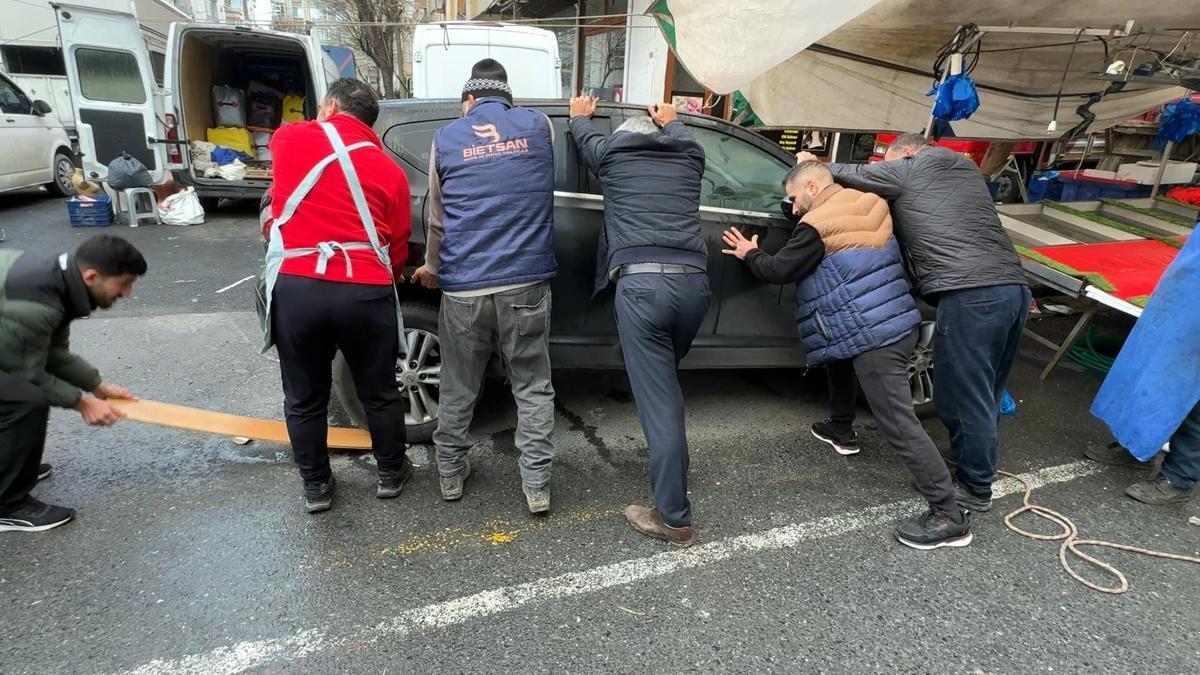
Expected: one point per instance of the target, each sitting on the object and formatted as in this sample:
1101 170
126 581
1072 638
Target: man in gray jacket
962 262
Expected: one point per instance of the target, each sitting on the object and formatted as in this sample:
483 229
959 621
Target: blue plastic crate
90 211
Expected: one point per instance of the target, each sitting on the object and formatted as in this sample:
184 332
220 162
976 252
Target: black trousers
883 376
311 319
23 415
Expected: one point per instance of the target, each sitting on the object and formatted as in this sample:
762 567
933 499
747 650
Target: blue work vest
496 167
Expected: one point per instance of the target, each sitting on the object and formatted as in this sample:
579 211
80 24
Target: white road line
236 283
255 653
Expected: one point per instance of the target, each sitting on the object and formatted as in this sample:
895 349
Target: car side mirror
40 108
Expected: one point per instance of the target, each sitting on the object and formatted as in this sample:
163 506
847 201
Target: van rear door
112 87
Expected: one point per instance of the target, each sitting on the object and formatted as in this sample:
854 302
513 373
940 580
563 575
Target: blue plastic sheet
956 98
1179 120
1155 381
222 155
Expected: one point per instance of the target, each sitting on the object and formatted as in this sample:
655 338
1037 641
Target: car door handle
10 121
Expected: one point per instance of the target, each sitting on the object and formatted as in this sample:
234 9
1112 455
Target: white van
443 54
33 144
119 109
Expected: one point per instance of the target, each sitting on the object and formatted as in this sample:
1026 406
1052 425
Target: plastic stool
140 205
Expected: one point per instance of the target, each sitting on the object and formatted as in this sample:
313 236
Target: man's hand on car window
424 277
584 106
739 246
805 156
662 113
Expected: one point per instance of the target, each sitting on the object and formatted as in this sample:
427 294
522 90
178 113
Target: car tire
63 168
418 375
210 204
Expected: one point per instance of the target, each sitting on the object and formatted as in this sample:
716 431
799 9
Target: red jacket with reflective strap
328 212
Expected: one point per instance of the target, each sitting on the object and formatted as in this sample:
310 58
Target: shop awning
867 64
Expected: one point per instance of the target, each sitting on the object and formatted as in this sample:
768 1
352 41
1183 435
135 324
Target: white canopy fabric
867 64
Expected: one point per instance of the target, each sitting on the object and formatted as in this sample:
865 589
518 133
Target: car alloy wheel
419 377
920 366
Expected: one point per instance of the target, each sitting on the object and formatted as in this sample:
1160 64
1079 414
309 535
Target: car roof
404 111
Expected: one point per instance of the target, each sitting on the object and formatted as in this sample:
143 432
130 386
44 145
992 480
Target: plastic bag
293 109
222 156
229 106
234 139
127 172
235 170
264 110
181 208
202 156
262 143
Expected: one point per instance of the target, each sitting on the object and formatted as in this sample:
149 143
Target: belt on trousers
656 268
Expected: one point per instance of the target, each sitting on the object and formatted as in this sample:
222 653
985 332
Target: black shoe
845 443
935 530
1113 454
34 516
318 497
44 471
391 483
970 501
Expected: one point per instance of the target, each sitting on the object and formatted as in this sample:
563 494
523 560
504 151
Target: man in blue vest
490 247
650 169
857 317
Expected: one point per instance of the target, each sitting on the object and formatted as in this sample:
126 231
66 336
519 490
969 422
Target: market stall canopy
868 64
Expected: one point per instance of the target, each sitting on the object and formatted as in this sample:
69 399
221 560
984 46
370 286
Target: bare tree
372 26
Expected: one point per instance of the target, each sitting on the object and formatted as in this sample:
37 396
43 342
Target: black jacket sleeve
591 143
798 258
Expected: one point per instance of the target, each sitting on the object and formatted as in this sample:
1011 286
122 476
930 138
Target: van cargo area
254 72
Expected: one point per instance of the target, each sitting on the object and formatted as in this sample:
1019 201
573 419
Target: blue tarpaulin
1155 381
956 98
1179 120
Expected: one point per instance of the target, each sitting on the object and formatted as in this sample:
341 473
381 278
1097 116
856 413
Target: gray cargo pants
469 330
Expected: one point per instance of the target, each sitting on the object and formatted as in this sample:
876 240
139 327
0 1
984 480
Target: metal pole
1162 167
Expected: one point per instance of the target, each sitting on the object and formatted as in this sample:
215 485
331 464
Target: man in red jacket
338 241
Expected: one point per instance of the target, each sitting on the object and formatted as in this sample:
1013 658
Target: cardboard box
1144 172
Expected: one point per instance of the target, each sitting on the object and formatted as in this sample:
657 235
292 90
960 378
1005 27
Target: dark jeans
658 316
978 332
23 415
471 329
311 319
1182 464
883 375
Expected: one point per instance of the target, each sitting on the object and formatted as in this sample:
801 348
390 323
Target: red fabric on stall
1133 267
1187 195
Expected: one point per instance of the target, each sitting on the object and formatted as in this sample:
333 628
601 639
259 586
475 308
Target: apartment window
22 60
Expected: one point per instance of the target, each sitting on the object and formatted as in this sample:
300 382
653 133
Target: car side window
737 174
412 142
570 173
12 101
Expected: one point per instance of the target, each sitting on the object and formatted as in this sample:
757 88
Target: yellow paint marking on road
494 532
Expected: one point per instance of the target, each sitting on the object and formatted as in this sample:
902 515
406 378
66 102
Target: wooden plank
224 424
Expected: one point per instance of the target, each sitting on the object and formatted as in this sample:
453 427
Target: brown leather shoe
650 523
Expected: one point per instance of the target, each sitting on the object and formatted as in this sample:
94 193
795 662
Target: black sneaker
1113 455
318 497
34 516
845 443
970 501
935 530
44 471
391 483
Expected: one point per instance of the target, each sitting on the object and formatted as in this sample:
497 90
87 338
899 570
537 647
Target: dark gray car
749 324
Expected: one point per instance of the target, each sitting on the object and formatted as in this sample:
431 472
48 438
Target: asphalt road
192 554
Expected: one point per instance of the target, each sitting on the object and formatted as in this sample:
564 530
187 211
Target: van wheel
418 375
64 168
210 204
920 371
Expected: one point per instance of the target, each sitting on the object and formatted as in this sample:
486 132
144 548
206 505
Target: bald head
804 182
905 145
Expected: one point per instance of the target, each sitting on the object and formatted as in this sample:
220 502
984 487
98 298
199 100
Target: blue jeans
978 332
1182 464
